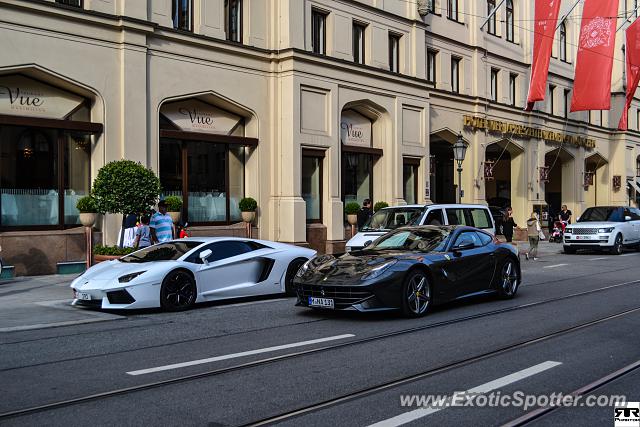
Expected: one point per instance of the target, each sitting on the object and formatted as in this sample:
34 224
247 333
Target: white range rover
604 227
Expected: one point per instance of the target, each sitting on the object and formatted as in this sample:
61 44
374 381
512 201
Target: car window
427 240
630 212
389 219
434 217
456 217
222 250
467 237
481 218
485 239
636 212
169 251
598 214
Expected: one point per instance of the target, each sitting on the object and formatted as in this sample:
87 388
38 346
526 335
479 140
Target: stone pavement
37 302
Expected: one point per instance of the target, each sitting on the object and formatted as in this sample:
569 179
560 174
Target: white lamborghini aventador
177 274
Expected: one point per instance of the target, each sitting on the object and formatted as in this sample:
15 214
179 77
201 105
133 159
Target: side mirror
627 218
204 255
463 247
367 243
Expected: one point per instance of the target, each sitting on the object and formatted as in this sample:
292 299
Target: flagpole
628 19
566 15
493 12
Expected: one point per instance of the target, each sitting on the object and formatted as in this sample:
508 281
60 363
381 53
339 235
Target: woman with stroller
508 224
533 231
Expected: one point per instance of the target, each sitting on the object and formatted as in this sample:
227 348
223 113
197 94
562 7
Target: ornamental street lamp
459 151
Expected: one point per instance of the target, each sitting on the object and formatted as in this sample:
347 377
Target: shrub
380 205
124 187
174 203
111 250
87 204
352 208
248 205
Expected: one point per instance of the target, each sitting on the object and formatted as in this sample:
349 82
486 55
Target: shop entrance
595 180
441 170
560 187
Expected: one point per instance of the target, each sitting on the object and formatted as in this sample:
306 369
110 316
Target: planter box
73 267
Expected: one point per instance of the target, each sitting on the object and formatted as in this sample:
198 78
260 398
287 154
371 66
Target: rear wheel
616 249
178 291
569 250
416 294
293 268
509 279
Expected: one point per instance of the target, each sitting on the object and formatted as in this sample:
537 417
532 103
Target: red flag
544 29
633 69
592 82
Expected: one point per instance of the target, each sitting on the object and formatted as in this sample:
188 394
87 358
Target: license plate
585 237
321 302
83 295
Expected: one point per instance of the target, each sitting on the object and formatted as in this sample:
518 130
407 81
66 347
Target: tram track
354 342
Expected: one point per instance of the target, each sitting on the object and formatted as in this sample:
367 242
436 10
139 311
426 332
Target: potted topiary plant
88 210
351 209
174 207
248 208
107 253
380 205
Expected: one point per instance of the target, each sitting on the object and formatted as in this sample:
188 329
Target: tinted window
434 217
413 240
485 239
162 252
602 214
481 218
631 213
223 250
636 212
467 237
456 217
389 219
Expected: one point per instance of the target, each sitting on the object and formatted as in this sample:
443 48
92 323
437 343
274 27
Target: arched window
563 42
510 22
491 6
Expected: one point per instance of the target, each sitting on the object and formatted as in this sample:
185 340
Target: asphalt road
573 324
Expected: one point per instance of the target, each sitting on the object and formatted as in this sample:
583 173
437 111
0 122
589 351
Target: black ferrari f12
411 269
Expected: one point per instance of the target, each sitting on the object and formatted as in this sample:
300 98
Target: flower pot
352 219
101 258
175 217
248 216
88 218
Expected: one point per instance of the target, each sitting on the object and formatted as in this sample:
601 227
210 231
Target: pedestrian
161 224
508 224
364 213
565 214
534 232
143 233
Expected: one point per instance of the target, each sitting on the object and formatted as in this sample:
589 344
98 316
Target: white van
390 218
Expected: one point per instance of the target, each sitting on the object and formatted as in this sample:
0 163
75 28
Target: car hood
355 264
594 224
113 269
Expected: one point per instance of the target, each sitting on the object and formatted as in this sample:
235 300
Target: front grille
342 296
120 297
582 231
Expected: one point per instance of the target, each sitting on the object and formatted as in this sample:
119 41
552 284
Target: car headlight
568 230
129 277
605 230
305 267
378 270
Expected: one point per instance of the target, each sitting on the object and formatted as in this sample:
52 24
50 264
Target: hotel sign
355 129
522 131
22 96
197 116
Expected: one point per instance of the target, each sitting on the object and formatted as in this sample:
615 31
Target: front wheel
509 279
416 294
616 249
178 291
293 268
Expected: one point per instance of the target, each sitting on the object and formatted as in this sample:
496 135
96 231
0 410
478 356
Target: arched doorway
442 187
503 169
595 180
560 186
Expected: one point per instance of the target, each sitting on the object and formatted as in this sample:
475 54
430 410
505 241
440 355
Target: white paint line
236 355
555 266
629 254
411 416
598 259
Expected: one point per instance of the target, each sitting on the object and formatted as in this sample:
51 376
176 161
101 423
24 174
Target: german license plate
585 237
83 295
321 302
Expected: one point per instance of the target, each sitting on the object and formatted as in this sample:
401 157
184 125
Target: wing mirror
463 247
204 255
627 218
367 243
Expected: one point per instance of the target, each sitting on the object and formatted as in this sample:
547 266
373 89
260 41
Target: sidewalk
42 302
545 248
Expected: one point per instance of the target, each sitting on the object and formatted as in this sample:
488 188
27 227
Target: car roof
448 228
205 240
437 205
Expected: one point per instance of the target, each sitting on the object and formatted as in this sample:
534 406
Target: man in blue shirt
161 224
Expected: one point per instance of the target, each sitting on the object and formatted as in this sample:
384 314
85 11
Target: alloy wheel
178 291
509 280
418 294
617 246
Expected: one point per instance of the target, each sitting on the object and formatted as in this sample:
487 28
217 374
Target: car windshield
429 240
389 219
612 214
169 251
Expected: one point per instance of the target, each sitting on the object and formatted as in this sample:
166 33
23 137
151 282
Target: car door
468 270
434 217
629 228
635 221
481 218
233 270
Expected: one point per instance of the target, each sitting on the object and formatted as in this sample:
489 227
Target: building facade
303 105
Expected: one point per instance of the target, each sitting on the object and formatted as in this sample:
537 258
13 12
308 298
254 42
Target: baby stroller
558 231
